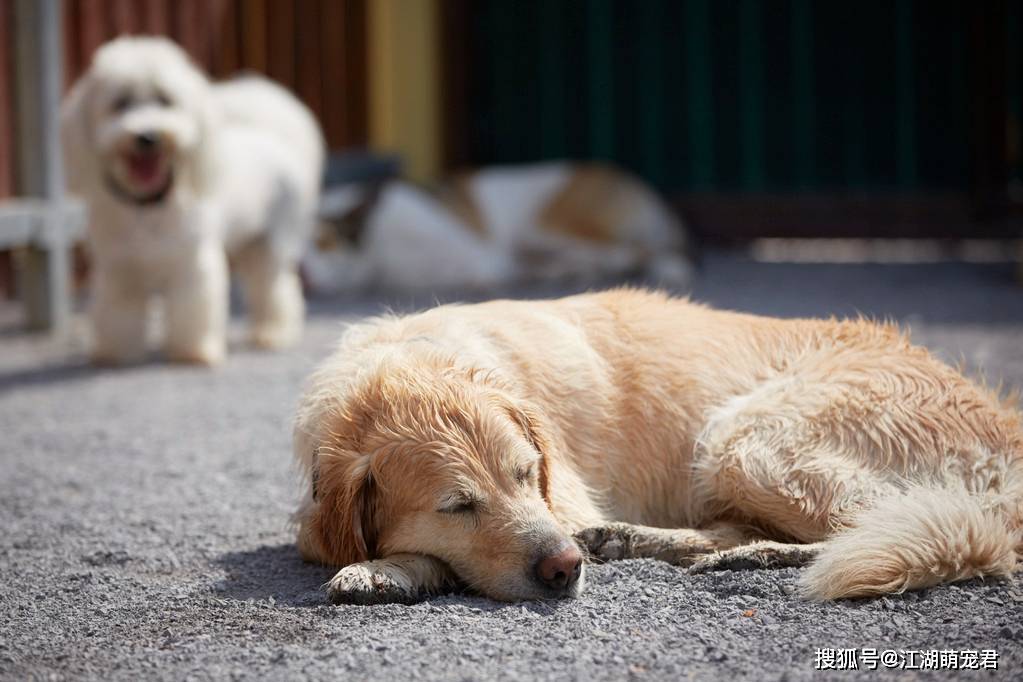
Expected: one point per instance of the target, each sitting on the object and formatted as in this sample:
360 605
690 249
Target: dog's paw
371 582
207 354
106 360
758 555
103 356
274 337
606 543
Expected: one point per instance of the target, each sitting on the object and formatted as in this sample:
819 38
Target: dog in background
499 225
484 443
179 175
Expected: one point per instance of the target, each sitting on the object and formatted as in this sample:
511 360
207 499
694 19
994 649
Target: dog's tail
921 537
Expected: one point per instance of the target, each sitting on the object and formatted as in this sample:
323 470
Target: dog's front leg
197 304
118 312
762 554
399 578
681 546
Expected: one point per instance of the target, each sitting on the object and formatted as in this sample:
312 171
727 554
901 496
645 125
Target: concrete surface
144 527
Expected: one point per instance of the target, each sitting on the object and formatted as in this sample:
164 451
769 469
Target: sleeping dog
493 445
498 225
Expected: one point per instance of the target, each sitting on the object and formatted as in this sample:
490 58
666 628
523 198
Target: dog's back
276 150
255 101
260 102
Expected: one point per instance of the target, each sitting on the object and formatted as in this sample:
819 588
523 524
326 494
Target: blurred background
757 119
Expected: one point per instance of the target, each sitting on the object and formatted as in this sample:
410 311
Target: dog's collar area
156 197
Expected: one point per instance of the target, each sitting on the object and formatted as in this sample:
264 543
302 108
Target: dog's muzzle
143 162
559 571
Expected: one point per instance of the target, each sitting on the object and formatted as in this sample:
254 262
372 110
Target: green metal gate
772 96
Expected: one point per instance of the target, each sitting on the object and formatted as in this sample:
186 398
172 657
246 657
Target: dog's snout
560 570
146 140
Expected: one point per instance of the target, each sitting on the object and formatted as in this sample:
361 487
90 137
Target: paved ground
144 527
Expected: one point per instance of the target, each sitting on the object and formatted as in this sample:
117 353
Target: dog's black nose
146 140
561 570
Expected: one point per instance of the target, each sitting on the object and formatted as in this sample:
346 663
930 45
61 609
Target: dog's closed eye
461 505
525 474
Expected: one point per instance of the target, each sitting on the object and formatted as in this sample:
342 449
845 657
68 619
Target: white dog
180 175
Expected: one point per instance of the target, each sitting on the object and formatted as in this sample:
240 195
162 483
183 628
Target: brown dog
473 443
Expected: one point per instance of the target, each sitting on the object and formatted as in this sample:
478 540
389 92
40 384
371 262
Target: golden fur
593 204
469 440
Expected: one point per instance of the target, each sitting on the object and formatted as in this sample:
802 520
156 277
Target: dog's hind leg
761 554
680 546
789 458
399 578
885 481
273 295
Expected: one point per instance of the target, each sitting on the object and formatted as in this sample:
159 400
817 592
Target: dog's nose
146 140
560 571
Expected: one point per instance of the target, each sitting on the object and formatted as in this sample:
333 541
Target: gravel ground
144 515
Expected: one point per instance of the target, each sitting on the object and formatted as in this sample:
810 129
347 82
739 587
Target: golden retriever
482 444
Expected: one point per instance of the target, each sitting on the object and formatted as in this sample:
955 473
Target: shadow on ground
76 369
279 572
272 571
50 374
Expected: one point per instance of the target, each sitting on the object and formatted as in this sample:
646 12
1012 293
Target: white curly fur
181 174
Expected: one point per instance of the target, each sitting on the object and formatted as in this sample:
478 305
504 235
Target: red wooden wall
6 103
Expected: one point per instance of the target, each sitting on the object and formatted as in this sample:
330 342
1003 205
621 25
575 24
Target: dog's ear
204 169
345 520
531 425
77 144
195 92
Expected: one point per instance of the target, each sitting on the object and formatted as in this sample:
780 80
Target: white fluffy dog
180 175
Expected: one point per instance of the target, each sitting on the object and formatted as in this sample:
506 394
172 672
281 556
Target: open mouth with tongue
145 176
144 167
